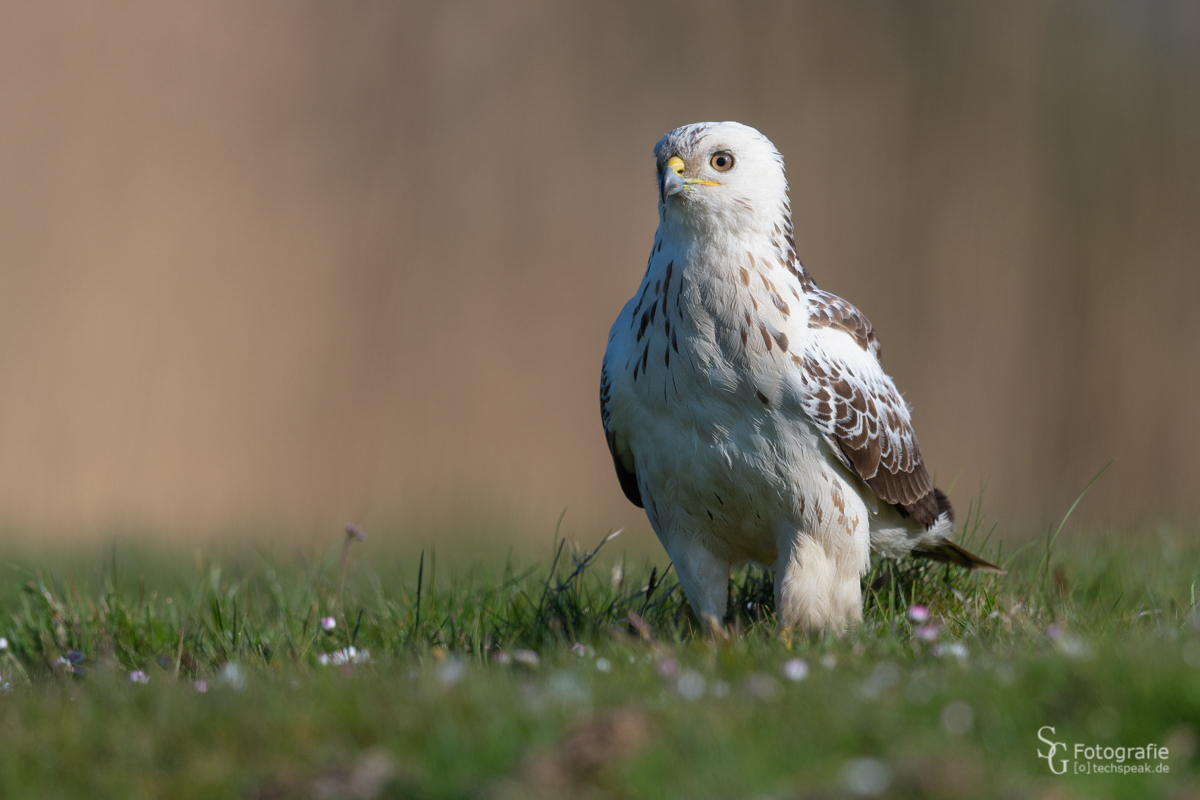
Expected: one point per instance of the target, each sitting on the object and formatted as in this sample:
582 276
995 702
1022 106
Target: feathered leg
818 572
703 575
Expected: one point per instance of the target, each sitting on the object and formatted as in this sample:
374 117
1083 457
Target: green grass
1095 637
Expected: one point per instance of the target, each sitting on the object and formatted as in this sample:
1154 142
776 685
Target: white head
721 176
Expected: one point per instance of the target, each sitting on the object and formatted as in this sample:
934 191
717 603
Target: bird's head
720 174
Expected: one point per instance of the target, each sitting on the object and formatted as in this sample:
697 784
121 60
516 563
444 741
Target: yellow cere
675 164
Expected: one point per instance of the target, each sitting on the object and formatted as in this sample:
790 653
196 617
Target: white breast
700 362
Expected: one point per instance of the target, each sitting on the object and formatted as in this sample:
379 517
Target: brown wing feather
830 311
865 419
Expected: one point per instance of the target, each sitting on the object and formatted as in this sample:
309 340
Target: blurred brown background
298 262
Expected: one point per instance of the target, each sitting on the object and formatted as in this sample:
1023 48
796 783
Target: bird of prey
746 410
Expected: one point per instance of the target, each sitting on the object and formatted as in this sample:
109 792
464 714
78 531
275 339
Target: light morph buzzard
746 409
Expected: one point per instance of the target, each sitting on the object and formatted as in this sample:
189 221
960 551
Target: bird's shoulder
827 310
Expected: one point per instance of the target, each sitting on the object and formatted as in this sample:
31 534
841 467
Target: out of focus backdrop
296 262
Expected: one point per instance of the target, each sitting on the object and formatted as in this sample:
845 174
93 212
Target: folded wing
625 472
864 418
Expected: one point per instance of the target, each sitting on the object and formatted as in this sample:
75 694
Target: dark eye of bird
721 162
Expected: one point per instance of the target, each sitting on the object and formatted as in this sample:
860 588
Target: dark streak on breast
637 309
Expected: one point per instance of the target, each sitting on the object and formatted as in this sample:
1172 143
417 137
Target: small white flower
795 669
328 623
866 777
232 675
451 672
137 676
565 687
527 657
956 649
927 633
667 668
829 661
347 655
1073 645
3 643
918 614
603 664
691 685
583 650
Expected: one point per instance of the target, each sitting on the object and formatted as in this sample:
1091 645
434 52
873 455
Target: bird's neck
721 248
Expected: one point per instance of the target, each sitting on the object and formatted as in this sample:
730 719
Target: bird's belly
737 479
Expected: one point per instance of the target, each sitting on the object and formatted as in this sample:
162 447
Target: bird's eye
721 162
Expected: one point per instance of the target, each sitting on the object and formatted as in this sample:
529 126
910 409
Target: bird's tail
946 549
951 552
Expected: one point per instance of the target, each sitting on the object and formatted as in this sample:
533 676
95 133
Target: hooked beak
673 181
